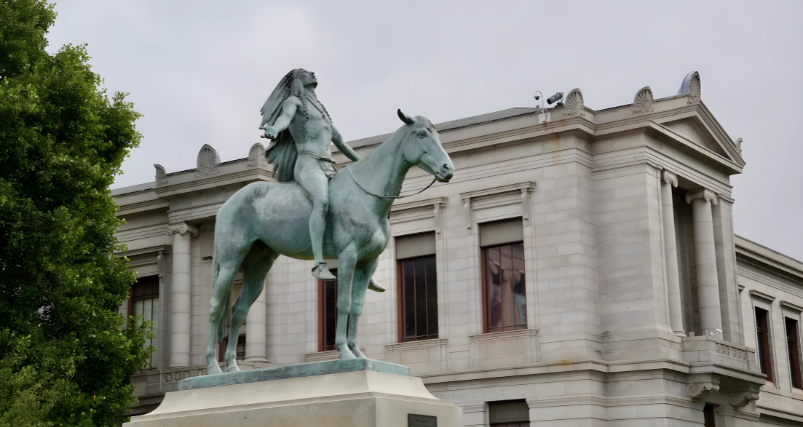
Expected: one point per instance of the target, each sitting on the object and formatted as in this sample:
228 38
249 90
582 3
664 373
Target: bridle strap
387 197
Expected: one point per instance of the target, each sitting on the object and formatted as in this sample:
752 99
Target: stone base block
361 398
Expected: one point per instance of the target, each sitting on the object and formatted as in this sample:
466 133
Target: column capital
669 178
703 194
181 229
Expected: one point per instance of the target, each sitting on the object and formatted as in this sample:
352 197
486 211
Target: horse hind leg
218 307
255 268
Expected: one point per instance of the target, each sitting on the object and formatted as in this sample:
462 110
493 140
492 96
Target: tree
66 354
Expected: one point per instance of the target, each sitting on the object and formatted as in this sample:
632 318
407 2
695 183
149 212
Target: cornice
144 251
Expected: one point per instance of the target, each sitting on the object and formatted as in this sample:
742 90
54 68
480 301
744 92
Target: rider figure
301 131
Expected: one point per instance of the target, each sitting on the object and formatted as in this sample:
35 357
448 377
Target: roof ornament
208 160
643 101
161 175
574 104
691 87
256 156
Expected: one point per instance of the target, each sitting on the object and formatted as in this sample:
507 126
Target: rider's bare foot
322 272
376 287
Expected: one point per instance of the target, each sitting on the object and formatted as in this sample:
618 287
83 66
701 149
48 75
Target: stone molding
669 178
207 162
698 391
643 101
761 295
792 307
731 351
726 199
161 175
410 345
182 228
524 189
145 251
422 209
182 374
701 194
256 156
742 398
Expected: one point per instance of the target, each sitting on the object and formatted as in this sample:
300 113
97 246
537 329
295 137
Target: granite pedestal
338 393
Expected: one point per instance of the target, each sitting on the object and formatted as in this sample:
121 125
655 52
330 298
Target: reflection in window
145 302
419 298
504 285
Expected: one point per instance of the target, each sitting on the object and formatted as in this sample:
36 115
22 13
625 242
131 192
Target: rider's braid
306 116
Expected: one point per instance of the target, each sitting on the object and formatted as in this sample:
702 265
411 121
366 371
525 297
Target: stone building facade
580 269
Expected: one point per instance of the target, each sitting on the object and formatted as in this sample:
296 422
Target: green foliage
66 354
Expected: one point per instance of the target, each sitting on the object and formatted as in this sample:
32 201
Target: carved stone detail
742 398
181 229
161 175
701 194
208 160
670 178
643 101
691 87
730 351
574 104
699 391
256 156
170 377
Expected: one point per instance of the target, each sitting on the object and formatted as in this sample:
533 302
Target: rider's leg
315 183
359 285
255 267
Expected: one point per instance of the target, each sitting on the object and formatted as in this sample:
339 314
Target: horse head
422 147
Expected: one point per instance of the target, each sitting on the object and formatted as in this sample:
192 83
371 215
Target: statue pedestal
338 393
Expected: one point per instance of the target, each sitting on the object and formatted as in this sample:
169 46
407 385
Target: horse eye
422 134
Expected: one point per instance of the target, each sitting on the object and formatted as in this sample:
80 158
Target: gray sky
200 70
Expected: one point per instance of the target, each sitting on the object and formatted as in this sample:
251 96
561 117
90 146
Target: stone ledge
293 371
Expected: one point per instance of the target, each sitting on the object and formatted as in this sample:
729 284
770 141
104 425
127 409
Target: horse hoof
233 368
213 370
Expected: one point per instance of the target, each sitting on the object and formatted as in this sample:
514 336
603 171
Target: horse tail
221 326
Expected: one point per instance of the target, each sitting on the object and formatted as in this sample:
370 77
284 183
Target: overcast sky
200 70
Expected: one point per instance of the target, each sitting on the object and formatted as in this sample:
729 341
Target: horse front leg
346 262
362 276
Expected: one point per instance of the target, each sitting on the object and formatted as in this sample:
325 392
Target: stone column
668 181
180 294
256 331
706 261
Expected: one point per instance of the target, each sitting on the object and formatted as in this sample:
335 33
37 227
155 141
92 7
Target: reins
387 197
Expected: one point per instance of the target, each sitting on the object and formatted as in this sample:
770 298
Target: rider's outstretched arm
342 146
288 111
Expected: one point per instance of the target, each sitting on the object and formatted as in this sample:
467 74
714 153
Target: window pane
493 285
520 303
408 279
432 299
139 308
420 298
507 286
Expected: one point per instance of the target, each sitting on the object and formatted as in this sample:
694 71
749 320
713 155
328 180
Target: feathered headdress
282 150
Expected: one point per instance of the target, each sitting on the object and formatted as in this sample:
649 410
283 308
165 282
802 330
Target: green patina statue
314 212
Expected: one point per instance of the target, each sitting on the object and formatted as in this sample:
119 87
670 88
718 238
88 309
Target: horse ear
404 117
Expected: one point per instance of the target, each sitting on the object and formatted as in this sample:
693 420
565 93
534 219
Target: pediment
696 133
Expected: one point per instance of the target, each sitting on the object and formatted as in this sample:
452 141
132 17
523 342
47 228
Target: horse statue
266 219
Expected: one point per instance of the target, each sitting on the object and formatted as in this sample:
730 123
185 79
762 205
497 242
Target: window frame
400 300
153 360
484 288
793 351
764 347
322 313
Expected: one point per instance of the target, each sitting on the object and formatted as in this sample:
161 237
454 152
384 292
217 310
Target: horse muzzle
445 173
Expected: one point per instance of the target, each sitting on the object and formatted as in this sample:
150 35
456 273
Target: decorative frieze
731 351
171 377
643 101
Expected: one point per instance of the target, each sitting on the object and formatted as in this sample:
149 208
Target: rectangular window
793 348
419 298
511 413
709 419
327 313
763 340
505 305
144 302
